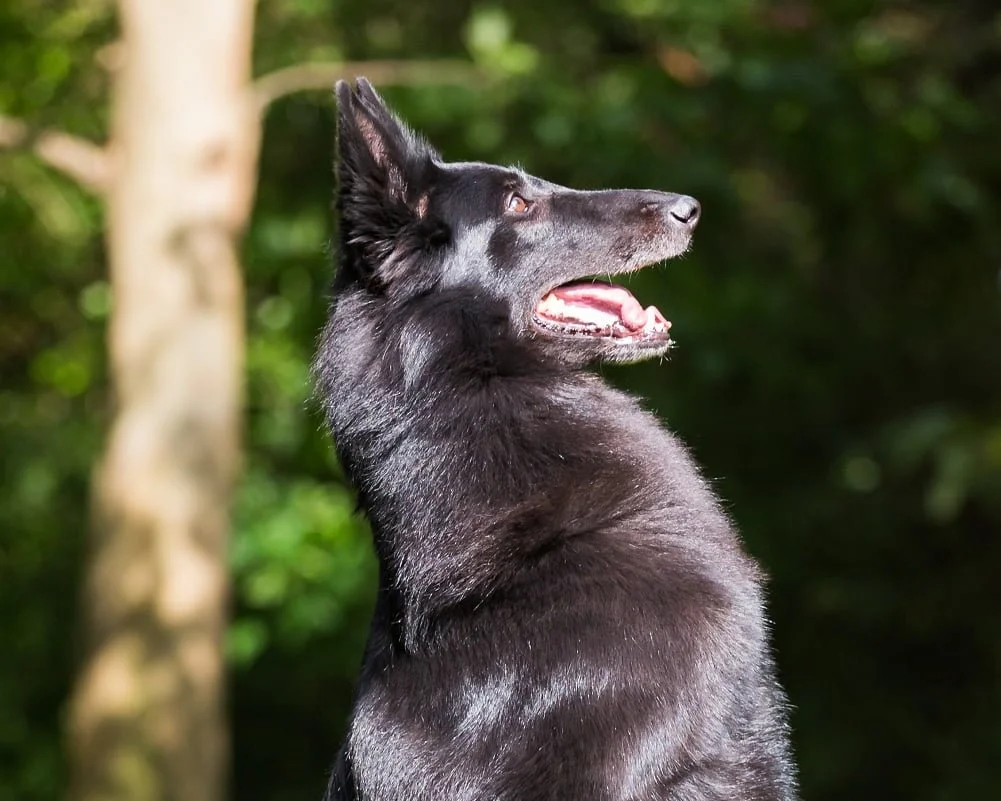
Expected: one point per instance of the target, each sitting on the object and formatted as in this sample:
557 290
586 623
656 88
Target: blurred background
838 369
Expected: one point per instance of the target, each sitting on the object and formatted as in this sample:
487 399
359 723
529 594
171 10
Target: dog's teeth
552 306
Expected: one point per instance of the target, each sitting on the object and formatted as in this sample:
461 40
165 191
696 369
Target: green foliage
837 370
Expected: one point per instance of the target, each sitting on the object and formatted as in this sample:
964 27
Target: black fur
564 612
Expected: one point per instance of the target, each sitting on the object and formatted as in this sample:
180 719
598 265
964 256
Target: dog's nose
685 210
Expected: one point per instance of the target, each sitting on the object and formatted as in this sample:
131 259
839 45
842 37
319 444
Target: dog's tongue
608 299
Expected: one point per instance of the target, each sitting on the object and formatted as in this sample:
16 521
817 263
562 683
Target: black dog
564 612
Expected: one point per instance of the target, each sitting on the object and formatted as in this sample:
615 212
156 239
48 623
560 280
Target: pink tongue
608 297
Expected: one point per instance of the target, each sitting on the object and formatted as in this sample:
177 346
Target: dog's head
412 224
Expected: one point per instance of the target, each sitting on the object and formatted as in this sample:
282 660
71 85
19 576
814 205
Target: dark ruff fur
564 611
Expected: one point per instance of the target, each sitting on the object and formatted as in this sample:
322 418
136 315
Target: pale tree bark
81 160
147 716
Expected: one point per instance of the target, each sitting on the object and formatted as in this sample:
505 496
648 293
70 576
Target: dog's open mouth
600 310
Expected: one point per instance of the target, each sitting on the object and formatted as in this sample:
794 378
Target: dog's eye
518 204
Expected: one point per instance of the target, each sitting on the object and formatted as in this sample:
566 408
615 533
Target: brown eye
518 204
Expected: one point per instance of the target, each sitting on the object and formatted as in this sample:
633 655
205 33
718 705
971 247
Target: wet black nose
685 210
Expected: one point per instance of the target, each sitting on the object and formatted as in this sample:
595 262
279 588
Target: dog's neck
440 394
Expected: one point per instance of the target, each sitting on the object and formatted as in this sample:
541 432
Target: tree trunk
147 718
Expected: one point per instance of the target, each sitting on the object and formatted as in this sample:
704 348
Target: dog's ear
375 148
383 171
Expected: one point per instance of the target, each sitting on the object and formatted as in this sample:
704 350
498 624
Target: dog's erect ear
383 171
376 150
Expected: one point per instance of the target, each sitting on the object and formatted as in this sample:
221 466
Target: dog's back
564 611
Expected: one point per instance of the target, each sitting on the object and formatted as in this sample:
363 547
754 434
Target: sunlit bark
147 719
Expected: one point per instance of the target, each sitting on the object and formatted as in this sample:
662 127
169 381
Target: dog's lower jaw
584 350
